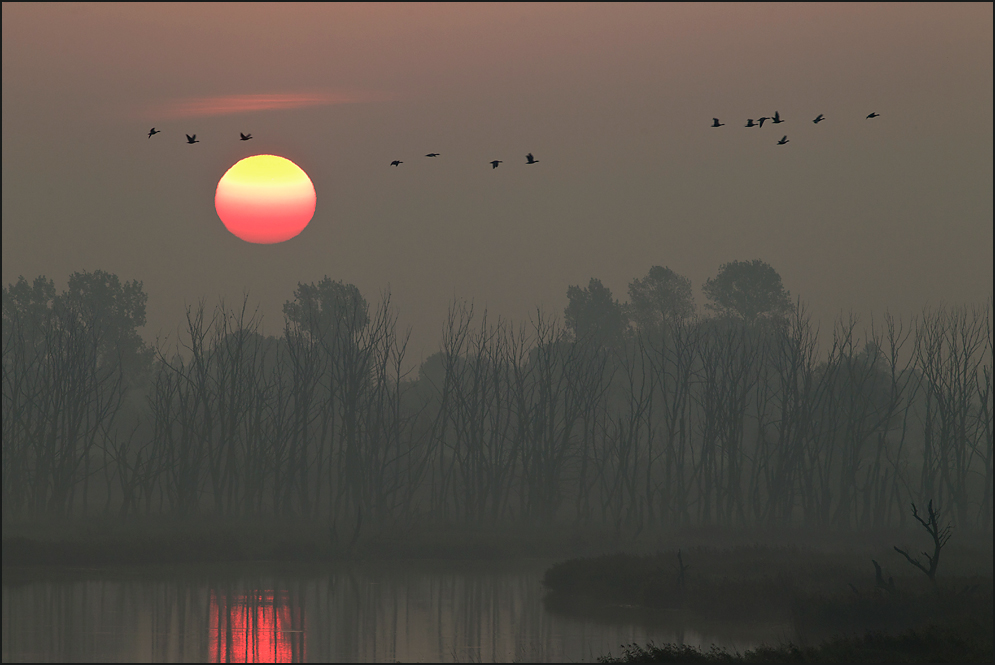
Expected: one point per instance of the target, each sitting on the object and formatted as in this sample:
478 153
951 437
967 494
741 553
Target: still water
412 611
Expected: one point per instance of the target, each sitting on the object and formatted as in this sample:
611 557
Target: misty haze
497 332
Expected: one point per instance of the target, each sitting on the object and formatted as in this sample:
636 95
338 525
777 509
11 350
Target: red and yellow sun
265 199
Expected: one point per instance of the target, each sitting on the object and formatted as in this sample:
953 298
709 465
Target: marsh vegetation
838 608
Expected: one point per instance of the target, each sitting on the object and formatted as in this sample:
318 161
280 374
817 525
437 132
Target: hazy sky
616 101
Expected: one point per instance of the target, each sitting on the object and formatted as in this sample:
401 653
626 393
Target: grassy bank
969 642
839 611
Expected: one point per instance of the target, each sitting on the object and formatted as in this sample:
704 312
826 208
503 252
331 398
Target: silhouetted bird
530 159
784 139
777 118
245 137
716 123
192 139
750 123
154 131
819 119
495 163
396 163
432 154
761 120
873 115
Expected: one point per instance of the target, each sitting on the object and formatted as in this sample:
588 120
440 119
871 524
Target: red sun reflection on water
256 627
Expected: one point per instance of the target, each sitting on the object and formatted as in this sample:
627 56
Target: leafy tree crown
748 290
593 313
328 308
661 296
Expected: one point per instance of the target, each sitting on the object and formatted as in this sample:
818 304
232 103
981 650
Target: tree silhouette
114 311
110 312
747 290
661 296
327 308
940 536
27 309
593 314
23 299
68 362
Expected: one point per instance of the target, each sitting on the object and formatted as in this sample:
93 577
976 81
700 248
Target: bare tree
939 535
950 355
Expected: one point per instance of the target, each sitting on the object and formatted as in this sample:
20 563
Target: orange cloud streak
207 106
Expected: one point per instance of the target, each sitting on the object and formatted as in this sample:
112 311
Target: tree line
629 414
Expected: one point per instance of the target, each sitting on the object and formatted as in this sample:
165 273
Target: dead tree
940 538
951 356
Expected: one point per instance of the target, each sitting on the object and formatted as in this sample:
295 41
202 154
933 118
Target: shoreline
106 541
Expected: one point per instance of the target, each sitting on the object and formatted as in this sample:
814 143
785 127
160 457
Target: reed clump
946 643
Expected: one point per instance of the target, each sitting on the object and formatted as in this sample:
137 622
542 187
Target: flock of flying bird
529 159
193 139
777 120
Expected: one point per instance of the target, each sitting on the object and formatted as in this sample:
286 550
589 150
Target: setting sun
265 199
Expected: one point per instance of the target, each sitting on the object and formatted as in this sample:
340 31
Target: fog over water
406 613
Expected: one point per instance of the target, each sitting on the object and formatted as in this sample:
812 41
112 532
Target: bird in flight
873 115
750 123
530 159
432 154
154 131
819 119
777 118
396 163
716 123
245 137
495 163
192 139
784 139
761 121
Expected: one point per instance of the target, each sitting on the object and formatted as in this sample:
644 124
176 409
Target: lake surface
409 611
